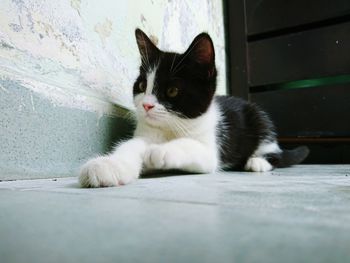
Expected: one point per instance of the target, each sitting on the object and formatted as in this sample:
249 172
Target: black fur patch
241 130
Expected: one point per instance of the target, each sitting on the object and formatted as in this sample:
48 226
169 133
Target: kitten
182 125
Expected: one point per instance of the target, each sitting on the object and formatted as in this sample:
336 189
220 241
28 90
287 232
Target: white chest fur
186 144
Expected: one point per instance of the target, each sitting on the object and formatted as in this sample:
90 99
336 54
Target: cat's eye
172 92
142 86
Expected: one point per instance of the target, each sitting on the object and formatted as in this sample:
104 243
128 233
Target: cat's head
172 84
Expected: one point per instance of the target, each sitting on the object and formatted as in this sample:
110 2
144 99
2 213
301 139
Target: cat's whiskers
175 128
130 115
180 130
158 115
179 114
179 127
184 129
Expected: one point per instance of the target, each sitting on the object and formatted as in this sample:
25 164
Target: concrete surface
39 139
299 214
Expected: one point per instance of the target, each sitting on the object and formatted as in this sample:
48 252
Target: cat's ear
149 52
202 51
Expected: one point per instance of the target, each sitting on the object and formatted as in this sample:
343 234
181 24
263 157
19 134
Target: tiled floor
299 214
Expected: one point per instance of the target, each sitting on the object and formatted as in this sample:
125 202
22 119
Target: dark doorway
293 59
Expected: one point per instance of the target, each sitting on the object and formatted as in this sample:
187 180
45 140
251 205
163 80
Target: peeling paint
58 36
76 5
82 54
104 30
3 44
15 27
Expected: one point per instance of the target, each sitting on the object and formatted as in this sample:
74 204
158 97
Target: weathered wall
79 58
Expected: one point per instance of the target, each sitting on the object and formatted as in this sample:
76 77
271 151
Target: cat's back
233 110
230 104
242 127
242 113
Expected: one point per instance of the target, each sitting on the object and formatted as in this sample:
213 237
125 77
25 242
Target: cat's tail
291 157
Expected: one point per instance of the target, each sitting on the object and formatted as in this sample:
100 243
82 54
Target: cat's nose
148 106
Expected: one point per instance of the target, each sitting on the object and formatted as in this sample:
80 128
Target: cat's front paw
258 164
163 157
103 172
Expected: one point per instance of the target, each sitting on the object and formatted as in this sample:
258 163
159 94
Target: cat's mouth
150 116
152 119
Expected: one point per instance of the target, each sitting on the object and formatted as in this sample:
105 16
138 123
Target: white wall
82 53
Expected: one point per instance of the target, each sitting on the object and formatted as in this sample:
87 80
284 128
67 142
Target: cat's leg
120 167
257 162
184 154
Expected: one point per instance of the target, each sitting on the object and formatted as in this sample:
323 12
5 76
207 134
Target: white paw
162 157
103 172
257 164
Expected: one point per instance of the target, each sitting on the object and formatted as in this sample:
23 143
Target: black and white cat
182 125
